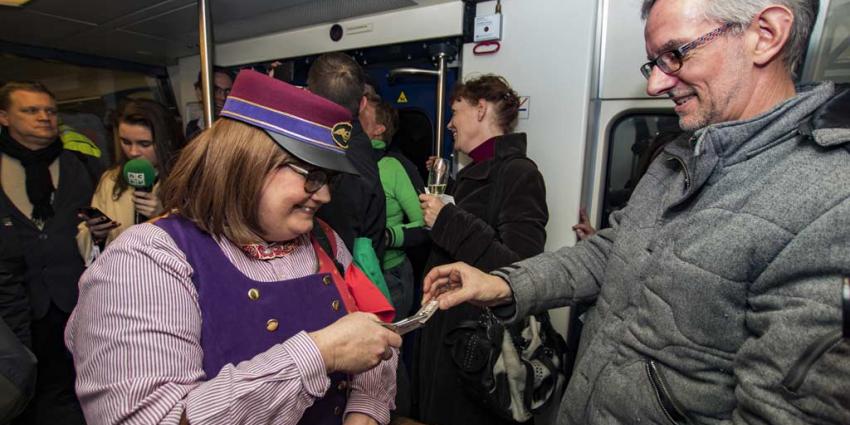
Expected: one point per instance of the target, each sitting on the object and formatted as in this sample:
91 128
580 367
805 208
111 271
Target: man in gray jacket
717 293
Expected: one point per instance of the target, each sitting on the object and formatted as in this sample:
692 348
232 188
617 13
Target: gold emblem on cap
341 132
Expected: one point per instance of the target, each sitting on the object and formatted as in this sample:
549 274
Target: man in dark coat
358 206
43 187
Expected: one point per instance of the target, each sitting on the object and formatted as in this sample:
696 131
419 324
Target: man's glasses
220 91
670 61
313 179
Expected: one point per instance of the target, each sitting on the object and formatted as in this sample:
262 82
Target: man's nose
659 82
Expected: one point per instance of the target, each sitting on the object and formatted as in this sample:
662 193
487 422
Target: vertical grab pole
441 108
206 46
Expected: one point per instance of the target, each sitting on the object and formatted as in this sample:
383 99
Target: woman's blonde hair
218 179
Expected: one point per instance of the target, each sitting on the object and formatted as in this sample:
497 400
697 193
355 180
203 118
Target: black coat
52 259
358 207
462 233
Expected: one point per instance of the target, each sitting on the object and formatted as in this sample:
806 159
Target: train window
634 140
415 137
86 95
832 55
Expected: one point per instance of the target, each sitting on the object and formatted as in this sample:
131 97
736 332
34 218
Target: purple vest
243 317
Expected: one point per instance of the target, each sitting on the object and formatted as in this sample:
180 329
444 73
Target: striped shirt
135 335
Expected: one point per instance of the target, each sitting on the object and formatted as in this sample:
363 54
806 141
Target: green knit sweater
402 202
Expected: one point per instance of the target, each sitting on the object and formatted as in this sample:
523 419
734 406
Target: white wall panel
623 51
546 54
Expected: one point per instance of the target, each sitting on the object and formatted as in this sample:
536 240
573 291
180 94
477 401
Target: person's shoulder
519 165
391 163
145 239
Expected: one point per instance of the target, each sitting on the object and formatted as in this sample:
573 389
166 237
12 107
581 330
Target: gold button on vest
335 305
327 279
337 410
342 386
253 294
271 325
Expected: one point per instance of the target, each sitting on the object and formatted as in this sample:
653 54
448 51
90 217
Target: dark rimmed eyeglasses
221 91
313 179
670 61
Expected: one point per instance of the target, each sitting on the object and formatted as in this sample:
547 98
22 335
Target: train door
415 99
626 124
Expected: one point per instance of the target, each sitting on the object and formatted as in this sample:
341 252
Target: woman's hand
146 203
99 227
429 163
431 206
583 229
355 343
456 283
356 418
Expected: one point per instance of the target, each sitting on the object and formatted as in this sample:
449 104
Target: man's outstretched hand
456 283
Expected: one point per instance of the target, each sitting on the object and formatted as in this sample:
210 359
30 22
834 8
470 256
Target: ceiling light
16 3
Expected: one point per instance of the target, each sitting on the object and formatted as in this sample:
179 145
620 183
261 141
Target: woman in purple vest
233 308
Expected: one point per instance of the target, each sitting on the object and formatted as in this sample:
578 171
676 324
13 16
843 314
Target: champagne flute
438 177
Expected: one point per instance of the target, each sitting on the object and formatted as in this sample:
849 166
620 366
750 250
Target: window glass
832 52
634 140
86 96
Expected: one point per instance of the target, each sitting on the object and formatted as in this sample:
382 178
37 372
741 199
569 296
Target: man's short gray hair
741 12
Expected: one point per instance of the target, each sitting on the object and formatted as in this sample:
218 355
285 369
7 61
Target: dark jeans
400 283
55 401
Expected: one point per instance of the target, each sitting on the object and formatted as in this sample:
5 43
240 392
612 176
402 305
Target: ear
481 109
363 103
380 129
4 118
774 28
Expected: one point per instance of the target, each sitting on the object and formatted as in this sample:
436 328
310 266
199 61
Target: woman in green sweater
404 216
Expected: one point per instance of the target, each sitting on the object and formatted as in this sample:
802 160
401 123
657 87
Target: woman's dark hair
495 89
167 137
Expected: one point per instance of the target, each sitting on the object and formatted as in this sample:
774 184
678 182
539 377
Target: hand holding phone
99 224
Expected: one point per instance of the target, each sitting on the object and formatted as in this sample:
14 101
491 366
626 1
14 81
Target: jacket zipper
797 374
672 410
800 369
684 170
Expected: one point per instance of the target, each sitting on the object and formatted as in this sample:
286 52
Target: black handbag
516 370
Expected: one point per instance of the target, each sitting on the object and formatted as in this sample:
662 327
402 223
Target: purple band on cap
279 122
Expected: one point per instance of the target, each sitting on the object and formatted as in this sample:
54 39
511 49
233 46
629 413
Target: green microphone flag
139 173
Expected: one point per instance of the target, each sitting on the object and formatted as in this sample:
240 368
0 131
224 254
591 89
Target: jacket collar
735 141
830 124
507 145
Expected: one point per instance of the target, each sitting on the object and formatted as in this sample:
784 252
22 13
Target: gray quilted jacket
723 270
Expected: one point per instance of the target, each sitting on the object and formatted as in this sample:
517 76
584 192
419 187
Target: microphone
140 174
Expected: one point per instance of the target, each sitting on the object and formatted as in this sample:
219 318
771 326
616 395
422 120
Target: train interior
590 124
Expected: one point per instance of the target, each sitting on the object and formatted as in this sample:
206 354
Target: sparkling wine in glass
438 177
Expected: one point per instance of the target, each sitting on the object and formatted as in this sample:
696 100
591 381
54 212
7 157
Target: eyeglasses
313 179
670 61
221 91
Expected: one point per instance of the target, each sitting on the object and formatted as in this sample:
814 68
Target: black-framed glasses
221 91
670 61
313 179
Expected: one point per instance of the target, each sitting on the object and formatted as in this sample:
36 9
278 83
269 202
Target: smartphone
92 212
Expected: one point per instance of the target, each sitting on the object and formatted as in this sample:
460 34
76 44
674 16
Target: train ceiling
157 32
